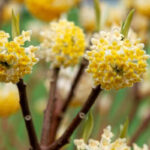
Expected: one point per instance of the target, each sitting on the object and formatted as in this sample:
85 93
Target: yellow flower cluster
9 100
114 61
105 143
6 13
19 1
143 6
63 43
15 60
49 9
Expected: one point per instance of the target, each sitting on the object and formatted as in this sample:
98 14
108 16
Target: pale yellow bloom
80 144
63 43
15 60
142 28
143 6
136 147
6 13
106 143
113 16
87 18
110 15
115 62
49 9
129 3
19 1
9 100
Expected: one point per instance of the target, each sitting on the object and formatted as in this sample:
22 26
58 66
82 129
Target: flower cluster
9 100
15 60
143 6
63 43
49 9
114 61
105 143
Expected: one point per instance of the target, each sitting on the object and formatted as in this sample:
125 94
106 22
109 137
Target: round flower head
106 143
19 1
143 6
63 43
15 60
9 100
49 9
7 11
114 61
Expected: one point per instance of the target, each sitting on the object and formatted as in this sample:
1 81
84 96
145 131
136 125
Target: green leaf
97 14
122 26
73 15
124 129
88 126
15 25
126 24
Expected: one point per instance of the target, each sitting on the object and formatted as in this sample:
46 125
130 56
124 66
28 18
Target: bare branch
140 130
58 115
45 142
64 139
27 116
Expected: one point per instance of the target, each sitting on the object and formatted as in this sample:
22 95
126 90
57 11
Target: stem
58 115
56 120
136 101
74 85
64 139
140 130
45 142
27 116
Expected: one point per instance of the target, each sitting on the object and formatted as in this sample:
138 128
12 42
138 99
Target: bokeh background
112 107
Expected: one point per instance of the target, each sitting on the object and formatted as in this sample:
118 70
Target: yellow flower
142 28
9 100
49 9
63 43
114 16
115 62
7 10
106 143
87 18
80 144
129 3
19 1
143 6
15 60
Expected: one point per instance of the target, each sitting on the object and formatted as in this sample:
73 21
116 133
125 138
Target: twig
64 139
74 85
45 142
27 116
136 101
56 120
140 130
62 109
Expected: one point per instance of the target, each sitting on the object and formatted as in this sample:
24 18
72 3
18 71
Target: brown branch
56 120
64 139
45 142
140 130
27 116
61 109
74 85
136 101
